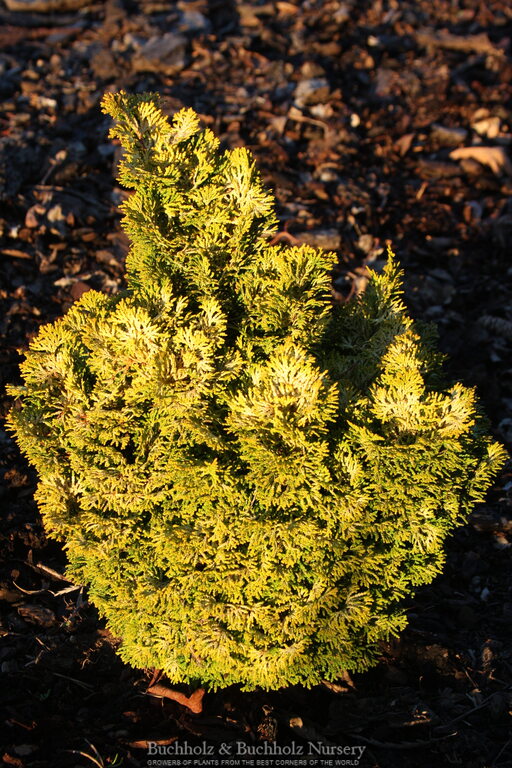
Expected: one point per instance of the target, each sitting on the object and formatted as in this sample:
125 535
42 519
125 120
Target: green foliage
248 478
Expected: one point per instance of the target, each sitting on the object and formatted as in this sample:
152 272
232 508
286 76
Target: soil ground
373 122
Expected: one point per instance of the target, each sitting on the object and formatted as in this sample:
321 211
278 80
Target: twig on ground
41 591
96 758
41 568
193 702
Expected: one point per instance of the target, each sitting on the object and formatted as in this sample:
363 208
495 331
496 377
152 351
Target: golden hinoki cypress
247 478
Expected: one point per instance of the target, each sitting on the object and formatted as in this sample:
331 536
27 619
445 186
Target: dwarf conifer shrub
248 478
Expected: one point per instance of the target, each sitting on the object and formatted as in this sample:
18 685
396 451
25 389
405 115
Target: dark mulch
353 110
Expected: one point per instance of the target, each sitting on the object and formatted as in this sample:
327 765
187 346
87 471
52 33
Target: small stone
164 54
315 90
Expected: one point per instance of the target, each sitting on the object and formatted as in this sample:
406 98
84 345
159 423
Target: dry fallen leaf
495 158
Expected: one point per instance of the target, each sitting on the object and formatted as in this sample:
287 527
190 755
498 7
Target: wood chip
37 614
16 253
494 158
443 39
